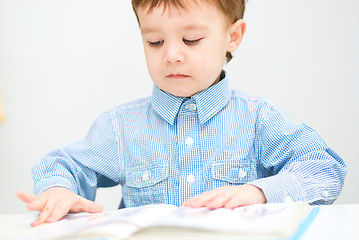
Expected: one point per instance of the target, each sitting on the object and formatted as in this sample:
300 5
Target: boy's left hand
228 197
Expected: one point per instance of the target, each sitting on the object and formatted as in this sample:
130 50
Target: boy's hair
232 9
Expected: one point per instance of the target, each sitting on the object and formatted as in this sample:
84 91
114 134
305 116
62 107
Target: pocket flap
231 171
139 178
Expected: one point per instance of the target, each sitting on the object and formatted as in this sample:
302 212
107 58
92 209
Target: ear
236 31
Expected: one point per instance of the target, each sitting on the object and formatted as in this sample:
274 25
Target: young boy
194 142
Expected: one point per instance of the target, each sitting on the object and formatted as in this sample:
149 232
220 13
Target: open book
261 221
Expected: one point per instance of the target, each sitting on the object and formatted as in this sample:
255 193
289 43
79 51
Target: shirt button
145 177
189 141
192 107
190 178
325 194
242 174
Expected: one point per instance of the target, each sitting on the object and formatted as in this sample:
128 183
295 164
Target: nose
174 53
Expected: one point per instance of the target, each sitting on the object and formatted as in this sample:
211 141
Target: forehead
195 12
149 5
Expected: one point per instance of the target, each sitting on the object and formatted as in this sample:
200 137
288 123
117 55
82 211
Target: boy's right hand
55 203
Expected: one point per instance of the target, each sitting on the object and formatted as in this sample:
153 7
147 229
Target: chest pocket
233 172
145 186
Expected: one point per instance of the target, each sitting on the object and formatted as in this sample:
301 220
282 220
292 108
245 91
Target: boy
194 142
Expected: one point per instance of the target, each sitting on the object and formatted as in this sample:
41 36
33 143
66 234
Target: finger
198 201
45 213
240 199
219 201
235 202
59 211
95 208
201 200
247 195
26 198
37 204
84 205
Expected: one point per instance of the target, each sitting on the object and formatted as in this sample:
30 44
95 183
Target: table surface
338 222
333 222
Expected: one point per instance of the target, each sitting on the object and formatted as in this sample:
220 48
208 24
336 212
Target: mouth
177 76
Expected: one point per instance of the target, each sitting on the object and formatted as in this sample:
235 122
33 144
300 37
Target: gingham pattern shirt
166 149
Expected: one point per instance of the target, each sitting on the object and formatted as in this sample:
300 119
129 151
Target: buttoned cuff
47 183
281 188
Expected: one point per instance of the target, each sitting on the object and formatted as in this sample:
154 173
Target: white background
63 62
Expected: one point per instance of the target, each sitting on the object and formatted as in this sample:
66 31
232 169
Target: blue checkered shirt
166 149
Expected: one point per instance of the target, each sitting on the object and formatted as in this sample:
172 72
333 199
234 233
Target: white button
145 177
190 178
325 194
192 107
242 174
189 141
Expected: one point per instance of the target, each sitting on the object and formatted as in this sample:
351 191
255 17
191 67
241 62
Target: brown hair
232 9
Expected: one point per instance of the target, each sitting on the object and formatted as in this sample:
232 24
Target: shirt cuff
281 188
45 184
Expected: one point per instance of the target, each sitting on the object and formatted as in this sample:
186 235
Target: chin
181 93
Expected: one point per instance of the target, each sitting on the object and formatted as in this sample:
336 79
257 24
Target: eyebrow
187 27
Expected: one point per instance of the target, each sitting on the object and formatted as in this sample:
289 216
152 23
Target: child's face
185 48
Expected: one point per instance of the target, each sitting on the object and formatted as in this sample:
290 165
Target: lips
177 76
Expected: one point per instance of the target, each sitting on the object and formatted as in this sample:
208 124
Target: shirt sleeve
296 163
85 165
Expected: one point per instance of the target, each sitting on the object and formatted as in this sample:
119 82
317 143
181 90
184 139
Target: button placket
187 128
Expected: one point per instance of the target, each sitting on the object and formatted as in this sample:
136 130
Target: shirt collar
209 102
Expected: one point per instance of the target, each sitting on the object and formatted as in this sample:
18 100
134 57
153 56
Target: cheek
152 69
152 61
212 59
215 50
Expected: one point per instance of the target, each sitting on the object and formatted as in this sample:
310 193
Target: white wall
63 62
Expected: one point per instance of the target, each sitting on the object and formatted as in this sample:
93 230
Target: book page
264 220
120 223
279 220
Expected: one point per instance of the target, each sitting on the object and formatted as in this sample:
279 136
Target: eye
155 44
192 42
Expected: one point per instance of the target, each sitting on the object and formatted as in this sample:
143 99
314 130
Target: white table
335 222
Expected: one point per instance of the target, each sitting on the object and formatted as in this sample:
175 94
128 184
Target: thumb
85 205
